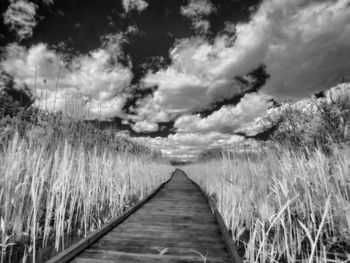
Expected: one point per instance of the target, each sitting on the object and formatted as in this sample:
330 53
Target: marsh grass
283 206
49 196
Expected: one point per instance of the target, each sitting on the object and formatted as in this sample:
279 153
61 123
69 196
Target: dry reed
49 194
283 207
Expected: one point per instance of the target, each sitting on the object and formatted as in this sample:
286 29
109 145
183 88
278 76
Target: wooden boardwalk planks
178 221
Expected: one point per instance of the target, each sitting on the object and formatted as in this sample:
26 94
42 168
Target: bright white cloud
106 108
78 105
187 146
145 126
112 43
147 110
138 5
302 43
194 80
92 76
96 78
197 8
227 119
20 17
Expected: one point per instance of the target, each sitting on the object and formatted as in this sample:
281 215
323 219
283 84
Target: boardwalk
177 223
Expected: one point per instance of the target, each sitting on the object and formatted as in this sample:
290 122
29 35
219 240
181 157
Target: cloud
113 44
201 26
107 109
147 110
187 146
95 77
195 79
197 8
20 17
227 119
306 46
302 43
133 30
145 126
92 76
138 5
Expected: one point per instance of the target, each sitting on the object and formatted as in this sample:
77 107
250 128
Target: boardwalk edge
75 249
220 221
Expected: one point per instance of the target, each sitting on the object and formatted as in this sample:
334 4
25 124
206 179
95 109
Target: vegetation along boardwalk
176 225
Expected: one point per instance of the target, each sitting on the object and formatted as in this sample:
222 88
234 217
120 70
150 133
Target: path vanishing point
176 223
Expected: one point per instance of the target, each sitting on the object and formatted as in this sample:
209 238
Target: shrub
322 124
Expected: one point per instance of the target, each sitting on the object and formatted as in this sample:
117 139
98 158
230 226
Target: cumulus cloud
138 5
145 126
91 76
113 44
194 80
196 10
307 46
20 17
95 77
227 119
147 110
302 43
187 146
201 26
106 109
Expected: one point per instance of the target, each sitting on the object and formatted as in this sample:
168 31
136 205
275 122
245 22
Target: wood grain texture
176 225
69 253
220 221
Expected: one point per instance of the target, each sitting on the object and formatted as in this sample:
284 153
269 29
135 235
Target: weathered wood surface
176 225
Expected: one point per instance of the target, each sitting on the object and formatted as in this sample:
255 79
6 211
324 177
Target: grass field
47 195
283 207
62 177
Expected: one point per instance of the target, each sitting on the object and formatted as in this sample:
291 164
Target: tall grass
283 207
48 195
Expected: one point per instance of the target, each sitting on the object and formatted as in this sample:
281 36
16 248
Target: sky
182 76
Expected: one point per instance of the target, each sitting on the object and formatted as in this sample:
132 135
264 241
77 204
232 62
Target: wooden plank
137 257
182 200
173 250
167 239
178 205
181 213
225 234
156 243
180 217
179 209
78 247
162 225
155 229
171 218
